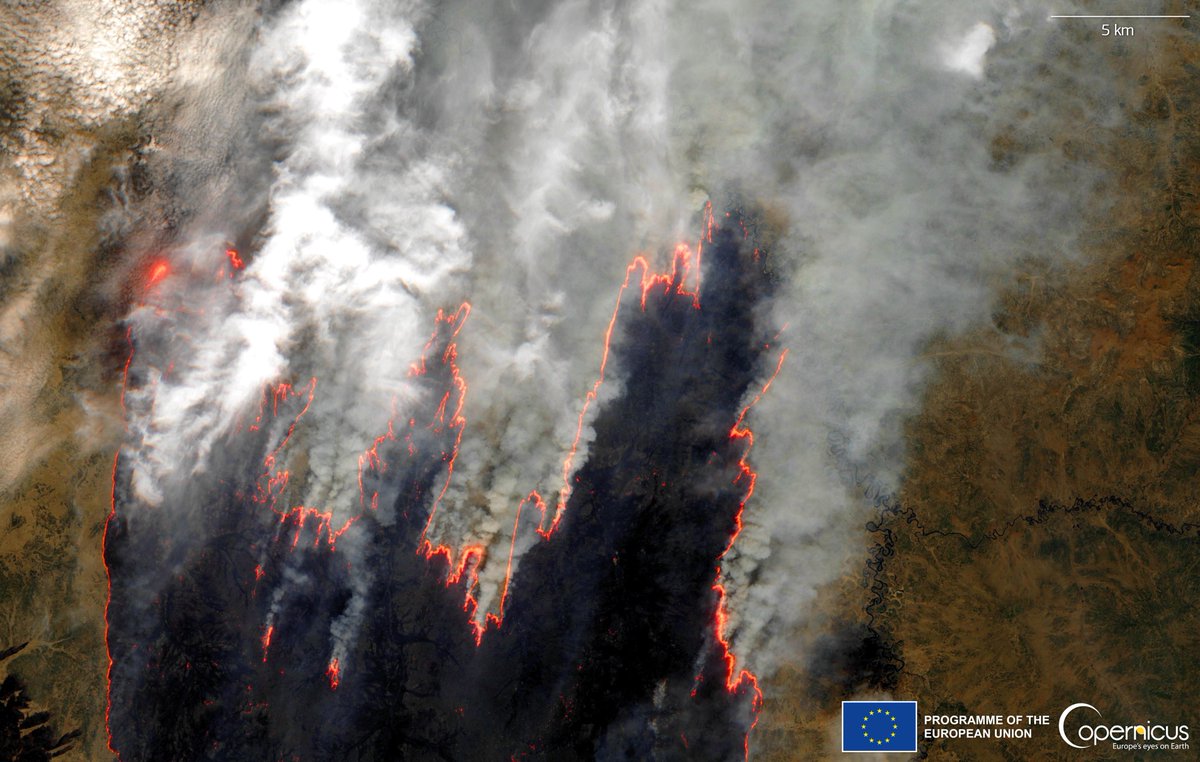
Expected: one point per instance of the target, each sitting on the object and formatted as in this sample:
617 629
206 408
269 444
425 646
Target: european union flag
879 726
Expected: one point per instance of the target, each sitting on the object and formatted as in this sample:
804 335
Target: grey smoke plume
873 135
65 78
518 158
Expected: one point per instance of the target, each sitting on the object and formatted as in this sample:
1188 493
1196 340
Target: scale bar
1117 17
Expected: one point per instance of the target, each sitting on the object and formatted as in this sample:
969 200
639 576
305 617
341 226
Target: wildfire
159 269
334 673
112 514
465 562
470 558
681 265
734 679
266 640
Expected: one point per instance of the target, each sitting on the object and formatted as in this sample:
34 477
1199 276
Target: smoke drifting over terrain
329 184
285 633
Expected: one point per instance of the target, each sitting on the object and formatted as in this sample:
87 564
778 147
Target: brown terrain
73 131
52 581
1042 549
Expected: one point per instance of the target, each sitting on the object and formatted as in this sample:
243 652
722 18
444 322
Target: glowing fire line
747 474
112 513
274 481
471 557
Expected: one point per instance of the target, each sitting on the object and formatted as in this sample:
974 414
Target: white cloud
967 55
520 157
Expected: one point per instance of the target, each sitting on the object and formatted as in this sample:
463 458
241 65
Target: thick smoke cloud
373 163
516 173
875 130
68 83
273 638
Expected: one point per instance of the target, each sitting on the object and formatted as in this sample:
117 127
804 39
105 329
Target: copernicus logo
879 726
1088 735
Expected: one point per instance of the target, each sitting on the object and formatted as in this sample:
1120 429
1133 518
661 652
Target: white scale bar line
1119 17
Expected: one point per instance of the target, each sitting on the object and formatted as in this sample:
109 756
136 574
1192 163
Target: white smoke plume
68 71
872 131
519 158
416 177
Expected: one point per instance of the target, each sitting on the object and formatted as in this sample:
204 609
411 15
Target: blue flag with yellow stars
879 726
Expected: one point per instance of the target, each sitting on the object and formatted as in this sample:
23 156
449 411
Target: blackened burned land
607 647
26 734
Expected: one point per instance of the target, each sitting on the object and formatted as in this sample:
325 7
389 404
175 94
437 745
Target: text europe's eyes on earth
599 380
